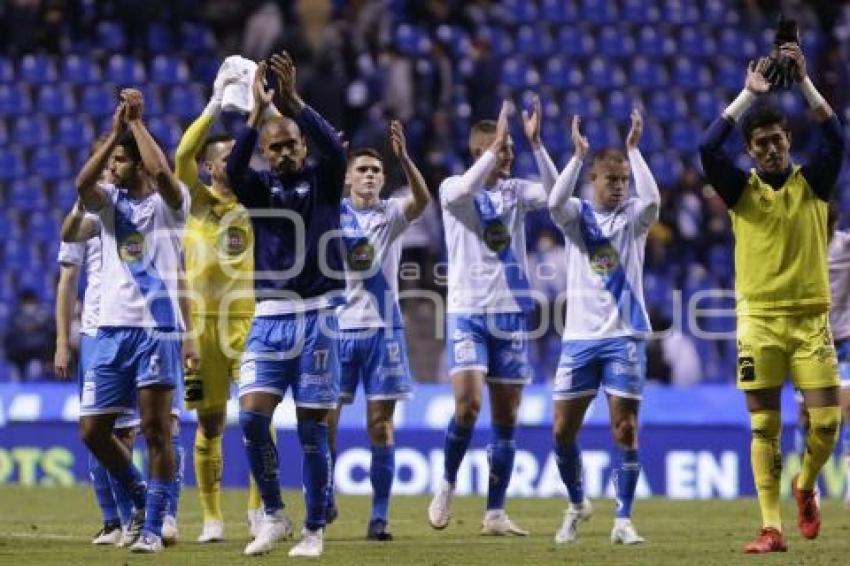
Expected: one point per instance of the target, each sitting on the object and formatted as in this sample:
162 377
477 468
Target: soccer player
488 302
779 218
219 242
372 347
298 284
604 340
141 214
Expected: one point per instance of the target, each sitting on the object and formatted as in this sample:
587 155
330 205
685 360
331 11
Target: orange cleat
768 540
808 510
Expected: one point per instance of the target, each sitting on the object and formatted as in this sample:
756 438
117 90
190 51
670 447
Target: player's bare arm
76 227
419 195
91 195
532 126
66 293
821 108
568 179
286 97
262 97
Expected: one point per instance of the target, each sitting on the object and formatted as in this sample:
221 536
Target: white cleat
497 523
624 533
272 529
148 543
255 519
213 531
310 545
110 535
440 509
132 530
573 517
169 530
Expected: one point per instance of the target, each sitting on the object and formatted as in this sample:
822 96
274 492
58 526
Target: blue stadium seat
169 70
533 41
7 70
153 99
12 164
684 136
521 11
37 69
619 104
559 11
667 106
707 105
647 74
42 227
559 73
605 74
499 40
197 38
15 100
50 163
4 133
729 74
185 101
166 132
721 263
689 74
80 70
677 12
64 195
601 133
737 43
20 257
666 166
524 165
99 100
791 103
653 139
56 100
110 37
159 39
555 138
74 132
653 43
640 11
516 73
695 43
411 40
599 11
576 42
35 278
455 39
125 70
31 131
615 42
27 195
581 103
10 226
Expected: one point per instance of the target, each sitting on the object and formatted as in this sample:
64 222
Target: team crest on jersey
496 237
361 255
604 260
233 241
131 247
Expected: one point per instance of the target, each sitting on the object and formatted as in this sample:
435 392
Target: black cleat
378 531
331 513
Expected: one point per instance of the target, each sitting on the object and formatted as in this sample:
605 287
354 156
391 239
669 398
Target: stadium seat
197 38
50 163
12 164
706 105
10 227
721 263
524 165
42 227
14 99
684 136
411 41
729 74
168 70
599 11
159 39
653 43
653 139
4 133
20 257
99 100
185 101
37 69
558 12
455 39
27 195
647 74
80 70
615 42
31 131
581 104
125 70
640 12
601 133
737 43
110 37
689 74
516 73
677 12
533 41
791 103
619 105
576 42
7 70
55 100
499 40
695 43
666 106
74 132
605 74
166 132
666 166
64 196
521 12
153 99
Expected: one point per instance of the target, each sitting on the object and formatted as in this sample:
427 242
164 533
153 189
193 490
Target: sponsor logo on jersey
605 260
233 241
132 247
361 255
496 237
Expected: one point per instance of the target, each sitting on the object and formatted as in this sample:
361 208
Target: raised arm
244 181
92 196
824 166
531 123
153 159
561 206
419 197
645 185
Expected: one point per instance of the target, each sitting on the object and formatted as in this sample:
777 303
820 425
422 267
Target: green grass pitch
54 526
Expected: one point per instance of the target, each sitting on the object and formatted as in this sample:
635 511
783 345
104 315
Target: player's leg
170 532
382 467
126 429
334 415
845 439
623 413
567 420
208 470
802 429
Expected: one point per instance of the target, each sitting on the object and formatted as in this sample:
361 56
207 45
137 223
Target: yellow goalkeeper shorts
220 343
772 347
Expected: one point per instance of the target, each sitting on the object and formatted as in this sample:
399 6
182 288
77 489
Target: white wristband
738 106
213 107
811 94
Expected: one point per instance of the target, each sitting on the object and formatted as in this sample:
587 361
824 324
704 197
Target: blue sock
845 440
122 499
262 457
103 490
315 471
130 480
381 474
331 487
177 483
457 441
626 482
568 457
500 453
156 505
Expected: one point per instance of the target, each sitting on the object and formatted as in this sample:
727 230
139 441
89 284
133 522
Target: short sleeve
451 193
531 195
71 253
567 213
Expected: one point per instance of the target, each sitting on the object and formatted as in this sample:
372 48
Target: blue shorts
495 344
378 358
616 365
842 351
124 360
293 350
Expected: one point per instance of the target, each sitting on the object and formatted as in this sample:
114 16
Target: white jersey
373 253
485 239
88 255
605 252
839 283
142 260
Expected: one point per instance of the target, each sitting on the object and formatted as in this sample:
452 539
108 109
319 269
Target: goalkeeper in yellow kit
779 218
219 260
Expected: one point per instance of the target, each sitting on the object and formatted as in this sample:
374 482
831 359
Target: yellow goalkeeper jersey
780 248
218 240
